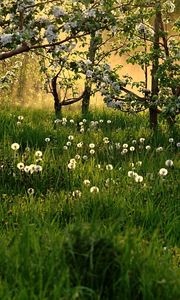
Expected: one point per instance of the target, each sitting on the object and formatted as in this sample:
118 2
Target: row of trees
74 40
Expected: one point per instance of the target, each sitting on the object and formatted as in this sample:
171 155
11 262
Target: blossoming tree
54 29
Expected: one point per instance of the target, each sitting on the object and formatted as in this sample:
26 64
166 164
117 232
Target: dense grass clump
89 207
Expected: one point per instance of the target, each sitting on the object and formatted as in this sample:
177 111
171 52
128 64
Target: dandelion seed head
171 140
86 182
94 189
130 174
169 163
47 140
163 172
38 153
70 137
20 118
91 146
15 146
77 194
30 191
92 151
68 144
79 145
125 146
20 166
159 149
132 148
138 178
109 167
142 140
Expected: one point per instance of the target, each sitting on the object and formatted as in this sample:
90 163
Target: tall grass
59 240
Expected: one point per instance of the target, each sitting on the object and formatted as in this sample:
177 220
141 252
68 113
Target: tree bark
153 110
88 83
57 103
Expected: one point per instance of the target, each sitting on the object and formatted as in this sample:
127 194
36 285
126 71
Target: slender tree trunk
88 84
57 103
86 99
153 111
22 80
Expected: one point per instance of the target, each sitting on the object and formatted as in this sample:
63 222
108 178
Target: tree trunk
57 103
86 99
88 85
153 110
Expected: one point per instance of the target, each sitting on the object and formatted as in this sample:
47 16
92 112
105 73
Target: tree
136 28
153 47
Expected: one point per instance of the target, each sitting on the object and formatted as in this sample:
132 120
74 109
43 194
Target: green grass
64 242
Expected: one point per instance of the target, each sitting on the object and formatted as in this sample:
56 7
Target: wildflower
171 140
106 140
169 163
38 153
86 182
124 151
38 169
85 157
132 148
134 141
81 130
32 168
131 174
71 166
38 160
77 157
27 169
91 146
27 149
76 193
109 167
118 145
47 140
15 146
125 146
57 121
30 191
70 137
94 189
79 145
138 178
20 166
159 149
163 172
141 140
92 151
68 143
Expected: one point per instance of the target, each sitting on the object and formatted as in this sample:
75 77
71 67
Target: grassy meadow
90 208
